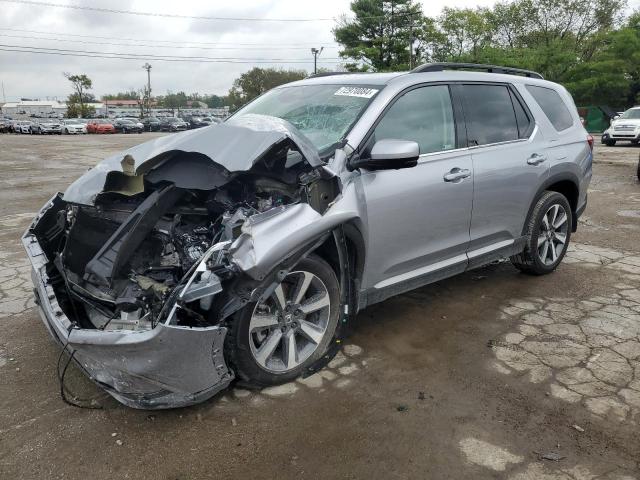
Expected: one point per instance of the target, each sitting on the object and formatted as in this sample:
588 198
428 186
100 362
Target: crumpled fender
269 238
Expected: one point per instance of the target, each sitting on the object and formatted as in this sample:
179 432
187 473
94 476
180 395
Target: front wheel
548 233
274 341
609 143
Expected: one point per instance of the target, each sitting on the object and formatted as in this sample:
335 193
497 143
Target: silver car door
510 164
418 218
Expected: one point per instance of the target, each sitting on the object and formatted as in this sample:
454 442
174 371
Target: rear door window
489 114
525 125
553 106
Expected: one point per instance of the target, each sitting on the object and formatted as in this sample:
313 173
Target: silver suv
242 250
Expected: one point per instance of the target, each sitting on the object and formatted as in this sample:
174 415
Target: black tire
610 143
237 347
529 260
638 169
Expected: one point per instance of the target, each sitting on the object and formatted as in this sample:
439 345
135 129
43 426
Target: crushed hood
236 145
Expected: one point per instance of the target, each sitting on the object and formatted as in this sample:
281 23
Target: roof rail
330 74
439 67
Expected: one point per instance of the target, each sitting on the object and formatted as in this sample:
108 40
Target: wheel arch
345 253
565 184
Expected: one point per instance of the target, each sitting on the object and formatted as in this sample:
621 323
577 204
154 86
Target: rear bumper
166 367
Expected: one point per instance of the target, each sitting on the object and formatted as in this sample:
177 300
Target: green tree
256 81
77 100
128 95
175 101
379 35
612 75
215 101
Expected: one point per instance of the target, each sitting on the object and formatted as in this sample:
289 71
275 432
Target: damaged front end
140 264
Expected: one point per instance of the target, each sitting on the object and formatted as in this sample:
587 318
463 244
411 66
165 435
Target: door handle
456 174
536 159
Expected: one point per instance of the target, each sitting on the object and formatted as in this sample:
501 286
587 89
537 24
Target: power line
149 45
191 17
165 15
157 40
152 56
72 53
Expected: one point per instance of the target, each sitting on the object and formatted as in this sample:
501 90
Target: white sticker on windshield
356 92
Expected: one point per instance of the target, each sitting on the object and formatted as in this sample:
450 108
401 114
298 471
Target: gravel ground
479 376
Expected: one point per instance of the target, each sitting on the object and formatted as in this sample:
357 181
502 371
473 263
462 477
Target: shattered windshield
323 113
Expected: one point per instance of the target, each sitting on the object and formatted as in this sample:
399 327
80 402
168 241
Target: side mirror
390 154
615 117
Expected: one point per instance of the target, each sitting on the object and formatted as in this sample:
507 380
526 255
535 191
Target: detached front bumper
166 367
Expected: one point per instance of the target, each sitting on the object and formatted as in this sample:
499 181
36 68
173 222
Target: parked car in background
199 122
135 120
23 126
151 124
73 126
625 127
173 124
48 127
5 125
127 126
100 126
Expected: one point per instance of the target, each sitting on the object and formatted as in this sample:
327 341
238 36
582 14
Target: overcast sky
39 76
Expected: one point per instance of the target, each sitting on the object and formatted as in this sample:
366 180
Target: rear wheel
274 341
548 234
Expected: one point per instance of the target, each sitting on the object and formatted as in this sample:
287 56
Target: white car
48 127
72 125
24 127
625 127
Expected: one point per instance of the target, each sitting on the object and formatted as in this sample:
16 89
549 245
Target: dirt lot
475 377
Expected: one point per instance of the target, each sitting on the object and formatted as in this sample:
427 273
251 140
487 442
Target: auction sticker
362 92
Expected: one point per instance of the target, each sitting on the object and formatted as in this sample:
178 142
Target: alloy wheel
552 236
288 327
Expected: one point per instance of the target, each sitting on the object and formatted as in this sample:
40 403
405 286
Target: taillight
590 141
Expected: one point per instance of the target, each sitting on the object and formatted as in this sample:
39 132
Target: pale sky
254 43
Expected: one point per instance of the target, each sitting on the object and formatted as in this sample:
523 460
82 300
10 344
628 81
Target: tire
243 349
535 259
610 143
638 169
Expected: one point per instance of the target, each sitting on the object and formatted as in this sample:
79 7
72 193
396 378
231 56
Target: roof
411 78
122 102
35 103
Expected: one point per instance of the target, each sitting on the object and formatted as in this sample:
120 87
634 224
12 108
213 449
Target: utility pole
147 67
4 99
411 42
315 52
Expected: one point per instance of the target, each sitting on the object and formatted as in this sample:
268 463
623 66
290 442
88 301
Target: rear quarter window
553 106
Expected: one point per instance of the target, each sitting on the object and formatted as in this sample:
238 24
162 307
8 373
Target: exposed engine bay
120 259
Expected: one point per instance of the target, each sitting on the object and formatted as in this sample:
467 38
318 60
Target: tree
612 75
128 95
80 83
175 101
256 81
379 36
